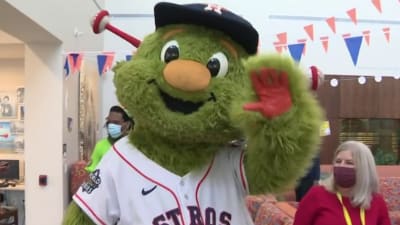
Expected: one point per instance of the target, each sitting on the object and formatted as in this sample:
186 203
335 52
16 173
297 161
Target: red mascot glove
272 88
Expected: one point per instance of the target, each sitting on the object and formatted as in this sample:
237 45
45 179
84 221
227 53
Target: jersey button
186 196
182 183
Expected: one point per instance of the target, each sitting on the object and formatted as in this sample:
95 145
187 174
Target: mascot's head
184 77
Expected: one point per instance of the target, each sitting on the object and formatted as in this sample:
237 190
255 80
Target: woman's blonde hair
366 175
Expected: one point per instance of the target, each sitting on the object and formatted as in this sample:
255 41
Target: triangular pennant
76 59
66 67
331 21
305 44
353 15
366 35
278 47
282 37
377 4
101 61
109 62
353 45
346 35
324 41
310 31
296 51
386 32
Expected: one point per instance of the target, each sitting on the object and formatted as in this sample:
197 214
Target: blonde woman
349 196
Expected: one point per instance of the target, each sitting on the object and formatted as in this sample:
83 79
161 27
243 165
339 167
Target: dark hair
125 116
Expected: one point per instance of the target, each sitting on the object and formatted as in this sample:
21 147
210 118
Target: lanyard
346 213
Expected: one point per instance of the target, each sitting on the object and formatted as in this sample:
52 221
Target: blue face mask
114 130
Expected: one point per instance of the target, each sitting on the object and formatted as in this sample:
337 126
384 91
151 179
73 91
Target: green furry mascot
214 123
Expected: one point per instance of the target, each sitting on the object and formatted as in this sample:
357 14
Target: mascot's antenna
101 22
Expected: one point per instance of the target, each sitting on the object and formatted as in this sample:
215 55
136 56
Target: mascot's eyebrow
172 32
230 47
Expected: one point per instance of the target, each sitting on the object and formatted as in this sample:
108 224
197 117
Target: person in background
310 179
349 196
118 124
313 175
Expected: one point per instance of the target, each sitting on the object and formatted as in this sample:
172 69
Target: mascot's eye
170 51
218 65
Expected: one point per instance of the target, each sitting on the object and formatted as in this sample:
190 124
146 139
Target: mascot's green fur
182 123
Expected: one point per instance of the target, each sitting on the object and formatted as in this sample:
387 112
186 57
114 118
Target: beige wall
48 30
11 74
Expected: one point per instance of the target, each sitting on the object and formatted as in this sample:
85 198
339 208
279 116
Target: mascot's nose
187 75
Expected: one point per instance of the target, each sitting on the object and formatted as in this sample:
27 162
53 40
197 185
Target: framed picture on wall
21 112
19 142
6 136
20 95
8 105
17 127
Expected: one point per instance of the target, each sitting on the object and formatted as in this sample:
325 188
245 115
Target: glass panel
381 135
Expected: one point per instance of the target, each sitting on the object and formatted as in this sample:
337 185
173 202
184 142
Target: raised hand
272 88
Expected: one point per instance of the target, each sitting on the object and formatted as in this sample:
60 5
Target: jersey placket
184 198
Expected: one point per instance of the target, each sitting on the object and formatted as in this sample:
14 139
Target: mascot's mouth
179 105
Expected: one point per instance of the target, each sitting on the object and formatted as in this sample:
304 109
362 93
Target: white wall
62 19
380 58
44 137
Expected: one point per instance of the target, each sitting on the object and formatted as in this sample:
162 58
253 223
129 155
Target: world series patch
92 183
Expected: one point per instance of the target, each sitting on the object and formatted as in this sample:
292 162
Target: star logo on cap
214 7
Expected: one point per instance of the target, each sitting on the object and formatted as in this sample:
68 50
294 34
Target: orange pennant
282 37
346 35
310 31
386 31
109 62
278 46
324 41
377 4
75 60
332 23
353 15
366 35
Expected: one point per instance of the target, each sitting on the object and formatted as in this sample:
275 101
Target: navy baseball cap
208 15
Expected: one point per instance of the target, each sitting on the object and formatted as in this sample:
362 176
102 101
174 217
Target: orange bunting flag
353 15
377 4
75 60
282 37
366 35
346 35
324 41
278 46
109 62
332 23
303 41
386 31
310 31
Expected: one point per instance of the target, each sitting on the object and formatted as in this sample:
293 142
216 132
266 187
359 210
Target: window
381 135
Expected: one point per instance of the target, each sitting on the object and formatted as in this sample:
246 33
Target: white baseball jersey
127 188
